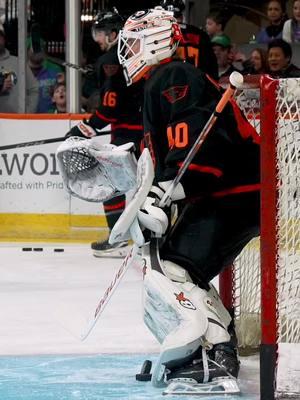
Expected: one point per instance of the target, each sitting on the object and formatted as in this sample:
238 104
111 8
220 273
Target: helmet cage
131 47
138 50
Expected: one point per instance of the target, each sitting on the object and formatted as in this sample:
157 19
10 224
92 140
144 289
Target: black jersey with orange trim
119 105
196 48
178 101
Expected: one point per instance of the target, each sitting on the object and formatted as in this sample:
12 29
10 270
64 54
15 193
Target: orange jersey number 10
178 135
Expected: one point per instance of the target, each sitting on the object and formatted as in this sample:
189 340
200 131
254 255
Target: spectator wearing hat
44 71
223 50
9 82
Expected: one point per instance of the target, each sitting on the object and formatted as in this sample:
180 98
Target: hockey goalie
216 203
190 232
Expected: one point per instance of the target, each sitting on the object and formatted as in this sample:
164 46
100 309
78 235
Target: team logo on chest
175 93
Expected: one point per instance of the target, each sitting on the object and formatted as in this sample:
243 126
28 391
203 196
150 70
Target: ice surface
46 301
49 298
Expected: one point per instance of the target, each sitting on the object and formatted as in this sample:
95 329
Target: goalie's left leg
188 322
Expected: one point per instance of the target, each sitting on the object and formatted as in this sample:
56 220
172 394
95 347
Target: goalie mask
148 37
106 27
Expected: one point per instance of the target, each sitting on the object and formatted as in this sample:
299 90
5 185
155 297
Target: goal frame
268 237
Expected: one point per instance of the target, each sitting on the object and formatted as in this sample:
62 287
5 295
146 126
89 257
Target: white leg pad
182 317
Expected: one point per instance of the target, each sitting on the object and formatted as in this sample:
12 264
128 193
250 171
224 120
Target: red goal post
263 286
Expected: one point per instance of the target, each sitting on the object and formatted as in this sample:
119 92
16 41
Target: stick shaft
67 64
33 143
127 262
42 141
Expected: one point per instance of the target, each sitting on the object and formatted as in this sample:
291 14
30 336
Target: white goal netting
247 299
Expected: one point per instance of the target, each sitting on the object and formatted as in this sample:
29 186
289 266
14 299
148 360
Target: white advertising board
30 181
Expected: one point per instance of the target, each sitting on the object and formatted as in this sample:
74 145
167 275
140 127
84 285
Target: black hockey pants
212 233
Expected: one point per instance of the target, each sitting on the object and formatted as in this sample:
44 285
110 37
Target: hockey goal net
263 286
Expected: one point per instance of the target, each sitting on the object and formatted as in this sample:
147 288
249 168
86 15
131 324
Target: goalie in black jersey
217 200
119 106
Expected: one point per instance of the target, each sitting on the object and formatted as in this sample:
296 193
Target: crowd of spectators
45 80
9 87
276 60
272 53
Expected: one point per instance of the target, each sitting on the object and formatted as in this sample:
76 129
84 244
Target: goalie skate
105 249
219 386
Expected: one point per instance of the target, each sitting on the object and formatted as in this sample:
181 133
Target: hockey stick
38 142
33 143
110 290
145 175
236 79
84 70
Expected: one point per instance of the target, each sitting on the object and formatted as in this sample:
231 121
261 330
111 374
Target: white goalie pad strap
136 234
215 306
145 176
175 272
96 172
205 366
158 191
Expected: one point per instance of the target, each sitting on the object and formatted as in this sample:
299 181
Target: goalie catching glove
151 216
83 129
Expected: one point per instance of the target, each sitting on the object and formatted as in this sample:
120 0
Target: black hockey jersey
178 101
196 48
119 105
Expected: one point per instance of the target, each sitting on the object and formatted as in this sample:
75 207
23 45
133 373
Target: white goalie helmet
147 38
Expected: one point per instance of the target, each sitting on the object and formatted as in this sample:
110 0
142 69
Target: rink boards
33 202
